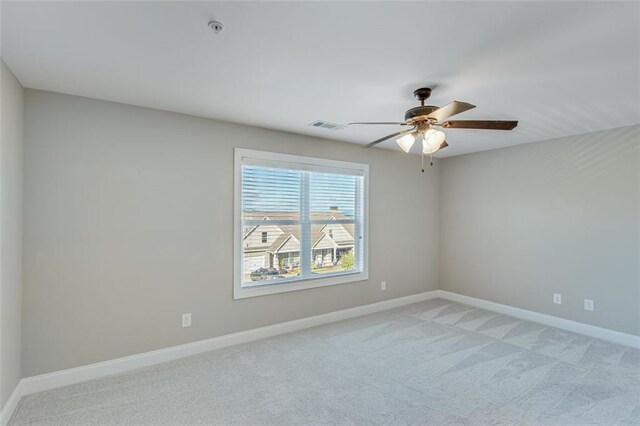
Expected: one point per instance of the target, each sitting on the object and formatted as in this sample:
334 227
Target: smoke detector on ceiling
216 26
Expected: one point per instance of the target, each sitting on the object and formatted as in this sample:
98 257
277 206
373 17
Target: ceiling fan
425 120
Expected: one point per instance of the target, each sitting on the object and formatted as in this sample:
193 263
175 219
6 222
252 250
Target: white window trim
293 284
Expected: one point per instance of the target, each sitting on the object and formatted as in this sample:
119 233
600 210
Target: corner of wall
11 232
440 276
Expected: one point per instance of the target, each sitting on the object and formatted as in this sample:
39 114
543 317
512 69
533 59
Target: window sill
295 284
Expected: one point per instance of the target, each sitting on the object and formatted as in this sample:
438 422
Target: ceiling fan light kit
432 141
424 121
406 142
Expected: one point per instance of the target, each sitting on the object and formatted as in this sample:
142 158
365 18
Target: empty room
319 213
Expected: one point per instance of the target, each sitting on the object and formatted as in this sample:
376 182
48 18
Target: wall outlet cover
588 305
557 299
186 320
383 285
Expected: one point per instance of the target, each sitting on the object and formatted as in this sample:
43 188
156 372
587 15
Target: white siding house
278 246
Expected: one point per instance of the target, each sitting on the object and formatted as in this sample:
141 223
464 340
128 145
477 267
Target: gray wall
11 164
128 224
560 216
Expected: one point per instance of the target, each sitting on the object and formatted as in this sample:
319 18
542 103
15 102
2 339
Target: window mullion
305 227
359 231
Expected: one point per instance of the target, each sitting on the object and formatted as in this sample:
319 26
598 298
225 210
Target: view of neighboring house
278 246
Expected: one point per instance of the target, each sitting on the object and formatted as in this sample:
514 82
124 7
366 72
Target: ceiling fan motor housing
419 111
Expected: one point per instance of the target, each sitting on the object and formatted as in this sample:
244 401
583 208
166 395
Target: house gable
325 242
338 233
290 244
253 238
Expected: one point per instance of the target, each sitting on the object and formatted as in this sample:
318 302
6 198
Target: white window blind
313 214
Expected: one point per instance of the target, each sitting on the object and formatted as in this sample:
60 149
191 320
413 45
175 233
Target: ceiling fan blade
443 145
480 124
450 110
402 132
392 123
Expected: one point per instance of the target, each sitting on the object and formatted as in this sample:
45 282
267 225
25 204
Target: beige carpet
437 363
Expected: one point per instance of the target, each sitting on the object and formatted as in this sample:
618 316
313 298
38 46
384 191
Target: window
300 223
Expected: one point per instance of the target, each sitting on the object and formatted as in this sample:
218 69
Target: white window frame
295 284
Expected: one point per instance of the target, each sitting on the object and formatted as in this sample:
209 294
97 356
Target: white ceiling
560 68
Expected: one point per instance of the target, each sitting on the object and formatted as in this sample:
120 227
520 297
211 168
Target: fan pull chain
430 160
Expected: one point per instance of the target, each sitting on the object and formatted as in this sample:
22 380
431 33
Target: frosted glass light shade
406 142
432 140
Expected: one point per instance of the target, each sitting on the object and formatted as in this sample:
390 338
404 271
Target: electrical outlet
557 299
383 285
588 305
186 320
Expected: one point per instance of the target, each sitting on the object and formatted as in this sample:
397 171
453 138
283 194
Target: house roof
317 231
279 242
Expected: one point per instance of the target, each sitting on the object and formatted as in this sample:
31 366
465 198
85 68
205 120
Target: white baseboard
565 324
10 405
71 376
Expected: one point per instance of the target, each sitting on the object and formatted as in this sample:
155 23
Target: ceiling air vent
326 125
